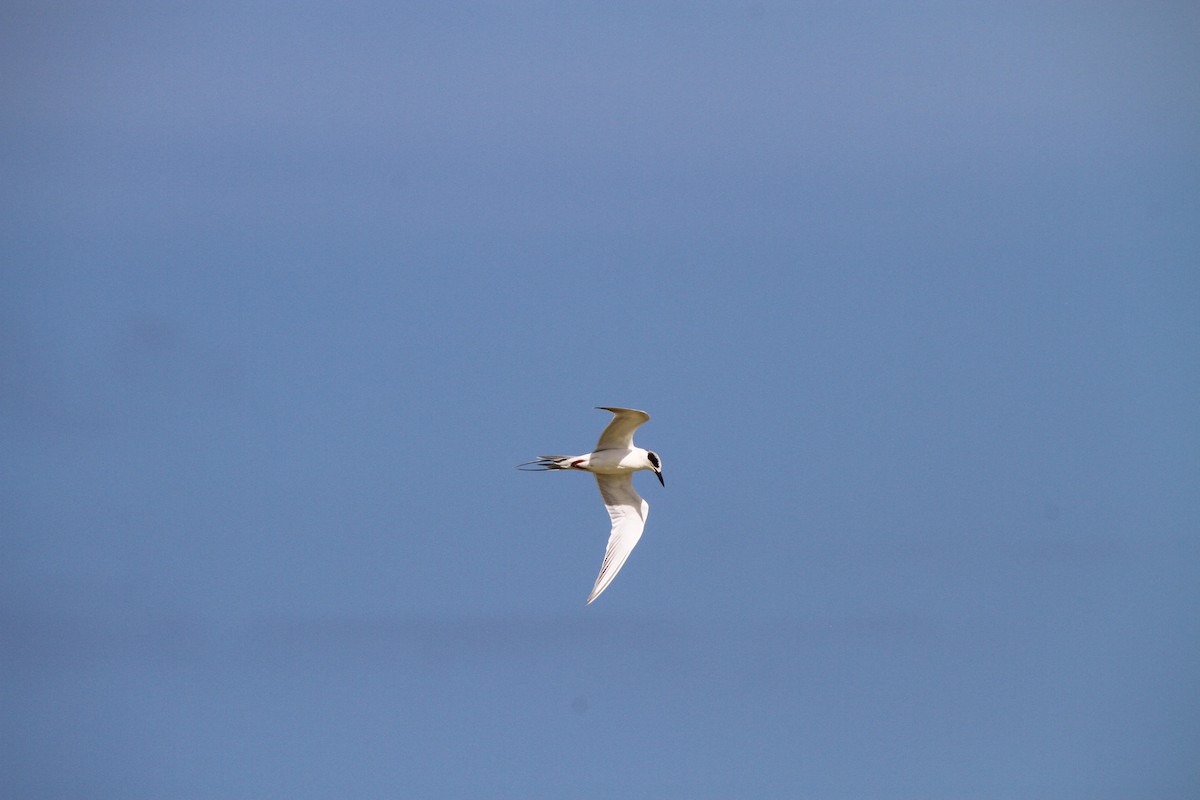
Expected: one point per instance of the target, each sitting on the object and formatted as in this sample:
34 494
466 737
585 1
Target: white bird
613 462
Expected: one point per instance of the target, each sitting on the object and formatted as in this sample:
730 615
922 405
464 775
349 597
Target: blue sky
910 292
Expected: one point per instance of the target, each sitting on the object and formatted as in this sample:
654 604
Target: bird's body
613 462
601 462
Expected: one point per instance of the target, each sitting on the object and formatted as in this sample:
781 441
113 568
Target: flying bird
613 462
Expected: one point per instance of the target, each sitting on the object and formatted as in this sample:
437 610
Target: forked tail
546 463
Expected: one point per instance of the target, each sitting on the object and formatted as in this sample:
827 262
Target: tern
613 462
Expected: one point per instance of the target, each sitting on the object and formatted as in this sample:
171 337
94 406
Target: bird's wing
619 433
628 512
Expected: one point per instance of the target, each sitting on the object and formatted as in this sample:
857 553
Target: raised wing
619 433
628 513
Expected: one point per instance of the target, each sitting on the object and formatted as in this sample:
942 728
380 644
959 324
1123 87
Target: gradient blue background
910 290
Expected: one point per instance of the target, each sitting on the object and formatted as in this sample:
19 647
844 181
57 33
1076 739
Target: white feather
619 433
628 512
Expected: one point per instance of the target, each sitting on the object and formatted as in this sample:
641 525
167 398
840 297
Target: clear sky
910 290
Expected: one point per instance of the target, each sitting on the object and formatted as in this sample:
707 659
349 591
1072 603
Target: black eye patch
654 460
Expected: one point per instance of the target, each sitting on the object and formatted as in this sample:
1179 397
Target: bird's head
656 465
